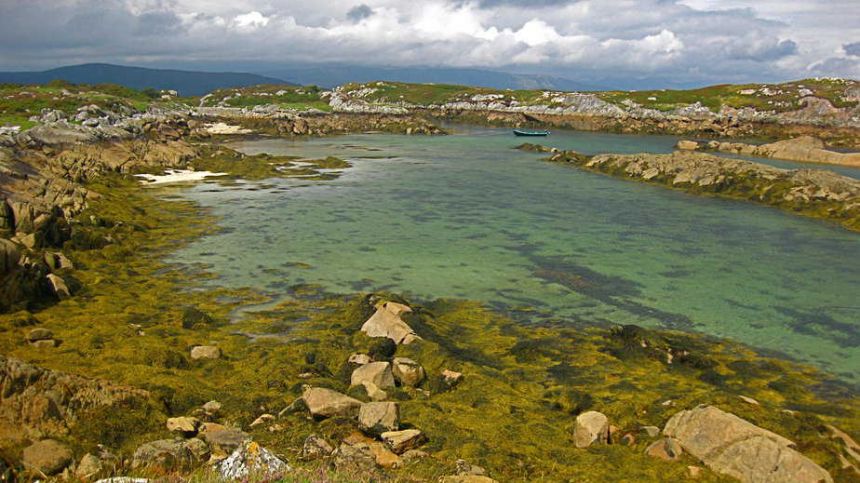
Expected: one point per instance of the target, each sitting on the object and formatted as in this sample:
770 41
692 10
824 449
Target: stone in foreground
666 449
377 373
591 427
401 441
170 455
735 447
386 322
251 459
407 372
205 352
325 403
47 457
379 417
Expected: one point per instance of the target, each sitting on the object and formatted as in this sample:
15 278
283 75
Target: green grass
298 98
715 97
19 103
712 97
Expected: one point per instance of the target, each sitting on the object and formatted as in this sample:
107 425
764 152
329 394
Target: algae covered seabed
514 287
465 216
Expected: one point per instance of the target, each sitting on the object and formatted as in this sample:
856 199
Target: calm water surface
467 216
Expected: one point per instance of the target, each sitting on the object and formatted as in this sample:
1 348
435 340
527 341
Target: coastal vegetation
494 395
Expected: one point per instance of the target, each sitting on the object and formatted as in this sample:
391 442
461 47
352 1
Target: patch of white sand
224 128
177 176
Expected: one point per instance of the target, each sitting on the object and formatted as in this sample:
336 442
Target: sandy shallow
177 176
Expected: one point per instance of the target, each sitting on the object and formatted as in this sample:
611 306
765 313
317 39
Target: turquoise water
467 216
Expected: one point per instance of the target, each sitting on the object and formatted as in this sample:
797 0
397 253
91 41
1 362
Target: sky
674 41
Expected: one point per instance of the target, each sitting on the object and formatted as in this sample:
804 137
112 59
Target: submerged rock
591 427
732 446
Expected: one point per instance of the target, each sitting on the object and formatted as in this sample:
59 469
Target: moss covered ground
135 319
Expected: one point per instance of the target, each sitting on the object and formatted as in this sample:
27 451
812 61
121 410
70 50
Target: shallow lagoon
467 216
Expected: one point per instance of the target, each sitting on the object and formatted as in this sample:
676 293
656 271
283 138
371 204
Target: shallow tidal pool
467 216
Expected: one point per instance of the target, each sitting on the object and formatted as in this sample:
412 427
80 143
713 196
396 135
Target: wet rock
377 373
386 322
407 372
413 455
651 431
402 441
666 449
58 286
10 254
316 447
47 457
735 447
359 359
466 479
212 408
451 378
251 459
223 441
89 467
686 145
171 455
379 417
374 392
351 457
322 402
185 425
39 334
205 352
262 419
591 427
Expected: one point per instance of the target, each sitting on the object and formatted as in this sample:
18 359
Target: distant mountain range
330 75
196 83
187 83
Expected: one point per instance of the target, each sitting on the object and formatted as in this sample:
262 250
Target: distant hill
187 83
330 75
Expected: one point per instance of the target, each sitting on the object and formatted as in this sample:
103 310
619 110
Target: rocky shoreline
809 192
117 365
805 149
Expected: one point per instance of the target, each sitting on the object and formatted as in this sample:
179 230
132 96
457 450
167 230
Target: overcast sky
689 41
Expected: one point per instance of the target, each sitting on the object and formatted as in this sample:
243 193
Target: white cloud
688 41
251 20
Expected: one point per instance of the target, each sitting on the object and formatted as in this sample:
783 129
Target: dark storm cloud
359 13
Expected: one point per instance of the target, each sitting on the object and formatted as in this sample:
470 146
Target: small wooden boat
523 132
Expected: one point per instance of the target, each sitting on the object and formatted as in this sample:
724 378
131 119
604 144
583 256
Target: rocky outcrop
732 446
37 402
379 417
805 149
386 322
818 193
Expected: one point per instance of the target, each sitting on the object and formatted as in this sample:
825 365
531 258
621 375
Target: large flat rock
735 447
